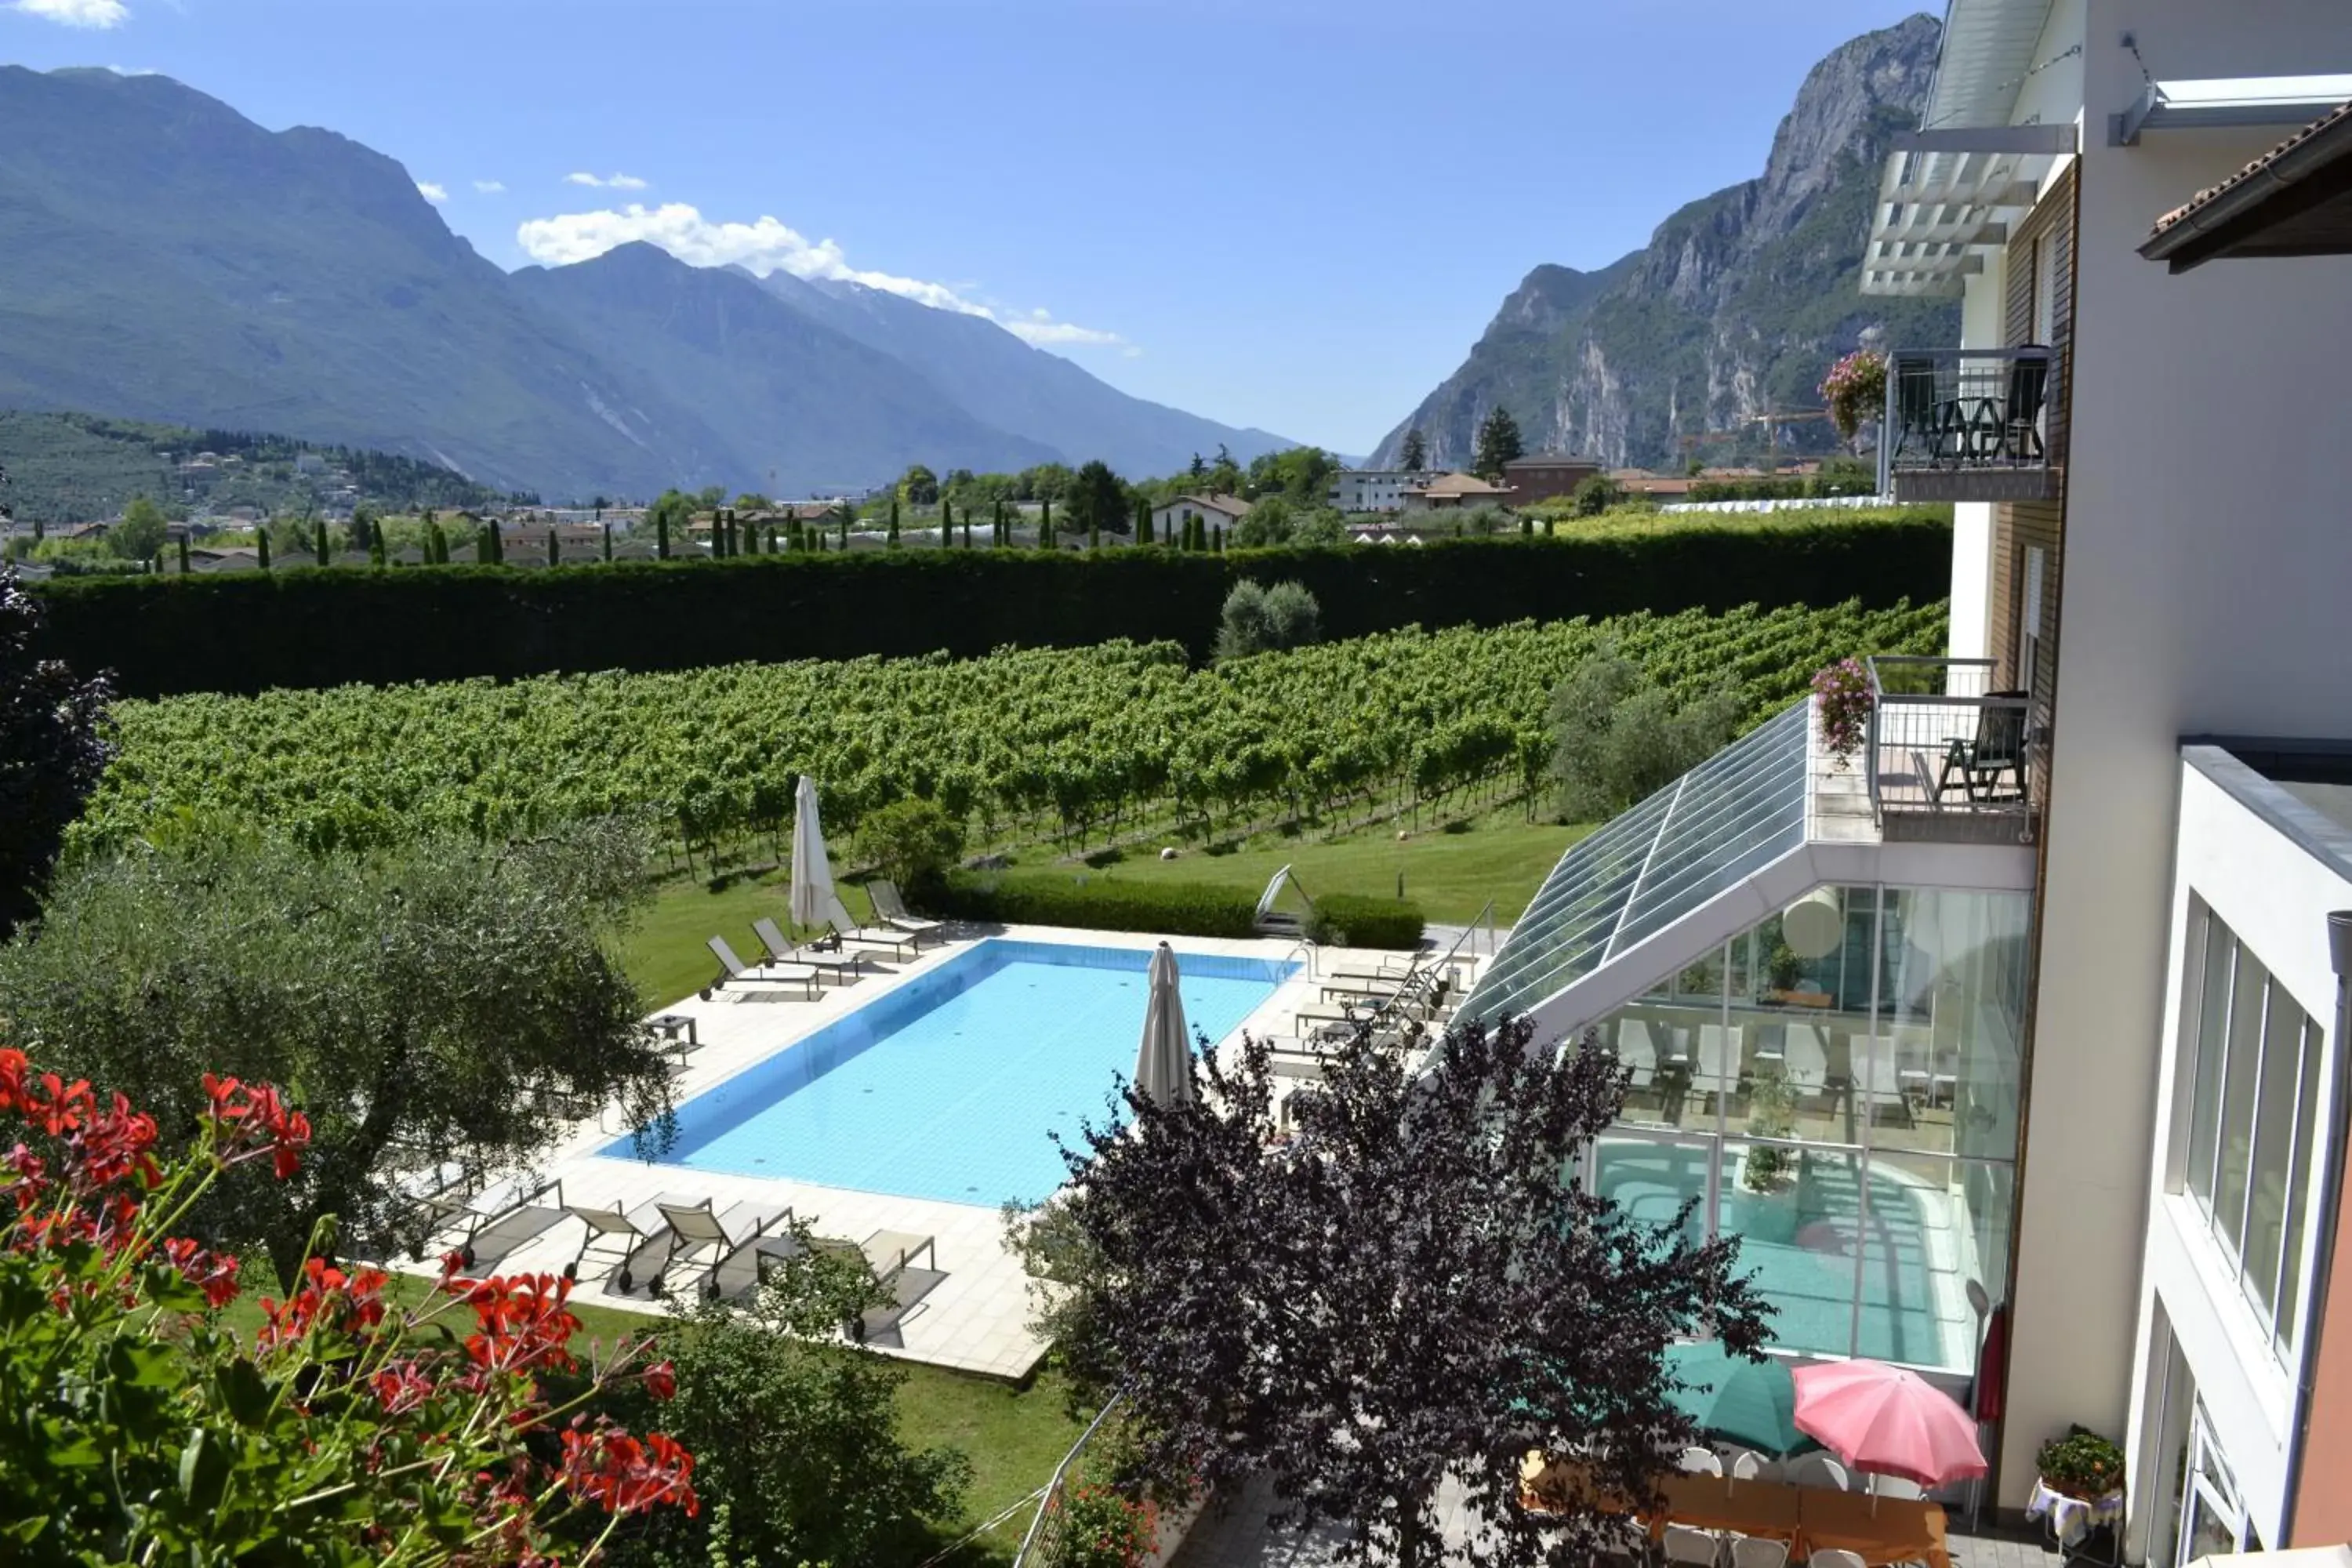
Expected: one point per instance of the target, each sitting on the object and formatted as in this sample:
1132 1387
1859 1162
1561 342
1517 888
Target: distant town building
1374 489
1216 512
1448 492
1547 476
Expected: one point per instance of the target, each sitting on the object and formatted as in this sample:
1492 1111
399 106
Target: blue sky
1293 214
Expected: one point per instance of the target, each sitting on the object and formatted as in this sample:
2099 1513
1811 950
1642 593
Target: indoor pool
948 1087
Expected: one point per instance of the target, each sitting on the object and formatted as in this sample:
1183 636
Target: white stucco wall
2206 561
2275 897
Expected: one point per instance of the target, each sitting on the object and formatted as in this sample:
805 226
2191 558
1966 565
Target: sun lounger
733 968
843 966
890 1256
892 912
696 1228
899 942
479 1212
617 1236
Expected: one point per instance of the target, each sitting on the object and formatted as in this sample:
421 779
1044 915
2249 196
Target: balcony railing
1971 424
1949 757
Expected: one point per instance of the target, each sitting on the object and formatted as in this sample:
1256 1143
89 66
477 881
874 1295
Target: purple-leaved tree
1406 1286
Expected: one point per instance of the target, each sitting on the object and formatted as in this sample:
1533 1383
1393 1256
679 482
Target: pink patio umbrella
1882 1418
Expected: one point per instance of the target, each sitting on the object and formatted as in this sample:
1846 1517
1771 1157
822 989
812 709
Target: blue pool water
948 1087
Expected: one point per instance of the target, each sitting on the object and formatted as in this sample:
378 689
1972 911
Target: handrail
1021 1559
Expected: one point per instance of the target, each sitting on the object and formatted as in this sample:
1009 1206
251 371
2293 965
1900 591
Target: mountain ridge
1732 311
171 261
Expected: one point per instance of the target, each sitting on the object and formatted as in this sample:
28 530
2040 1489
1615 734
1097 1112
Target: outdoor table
1897 1530
677 1033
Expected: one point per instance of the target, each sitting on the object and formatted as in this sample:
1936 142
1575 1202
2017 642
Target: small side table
2073 1521
677 1033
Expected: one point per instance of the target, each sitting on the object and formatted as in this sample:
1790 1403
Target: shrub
1352 919
1844 690
1096 903
1264 620
1095 1527
912 841
1596 493
352 1430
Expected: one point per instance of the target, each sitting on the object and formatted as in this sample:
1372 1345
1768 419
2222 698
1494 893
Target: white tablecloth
2071 1518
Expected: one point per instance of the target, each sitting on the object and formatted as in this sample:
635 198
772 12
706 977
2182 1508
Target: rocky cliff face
1732 311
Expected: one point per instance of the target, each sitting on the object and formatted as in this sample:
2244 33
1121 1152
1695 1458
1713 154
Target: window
2253 1091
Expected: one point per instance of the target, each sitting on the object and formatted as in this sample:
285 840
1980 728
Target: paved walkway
1236 1534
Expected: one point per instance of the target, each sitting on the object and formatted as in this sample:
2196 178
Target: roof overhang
2219 102
2296 200
1951 189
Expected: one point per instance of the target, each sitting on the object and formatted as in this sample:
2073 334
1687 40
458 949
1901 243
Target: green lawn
1451 875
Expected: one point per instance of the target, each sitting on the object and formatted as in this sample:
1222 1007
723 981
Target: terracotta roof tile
2211 192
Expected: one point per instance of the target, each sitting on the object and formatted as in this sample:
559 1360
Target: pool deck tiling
977 1317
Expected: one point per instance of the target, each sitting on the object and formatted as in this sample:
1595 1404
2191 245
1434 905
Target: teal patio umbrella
1738 1400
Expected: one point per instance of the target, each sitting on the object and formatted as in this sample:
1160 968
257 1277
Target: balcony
1978 425
1945 758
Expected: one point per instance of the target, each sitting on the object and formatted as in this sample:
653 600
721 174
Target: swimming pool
948 1087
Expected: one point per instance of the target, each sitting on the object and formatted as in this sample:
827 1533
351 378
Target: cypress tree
554 550
890 535
843 541
184 555
260 540
378 557
436 544
319 542
1217 541
1044 522
494 541
947 522
1094 537
608 541
1547 522
1143 519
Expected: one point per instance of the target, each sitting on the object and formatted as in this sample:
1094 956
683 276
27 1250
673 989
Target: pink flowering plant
140 1429
1842 695
1855 390
1100 1528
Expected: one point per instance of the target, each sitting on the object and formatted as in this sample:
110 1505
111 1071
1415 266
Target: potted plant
1843 695
1772 1113
2081 1465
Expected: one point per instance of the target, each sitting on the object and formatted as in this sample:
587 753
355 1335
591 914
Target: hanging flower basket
1843 698
1855 390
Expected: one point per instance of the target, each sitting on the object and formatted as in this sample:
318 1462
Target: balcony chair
2029 389
1922 412
1978 765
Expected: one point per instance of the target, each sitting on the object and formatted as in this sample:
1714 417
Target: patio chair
901 945
696 1228
616 1236
733 968
1901 1488
1836 1557
892 911
843 966
1805 1058
1685 1544
1700 1462
1998 748
1752 1466
1815 1471
1922 413
2019 439
1759 1552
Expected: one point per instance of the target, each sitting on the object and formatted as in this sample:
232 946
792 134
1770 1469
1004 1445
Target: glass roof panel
1731 815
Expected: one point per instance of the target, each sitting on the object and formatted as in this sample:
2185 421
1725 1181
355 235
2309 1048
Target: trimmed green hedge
247 631
1352 919
1096 903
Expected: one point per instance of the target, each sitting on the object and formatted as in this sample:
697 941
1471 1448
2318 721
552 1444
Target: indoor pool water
948 1087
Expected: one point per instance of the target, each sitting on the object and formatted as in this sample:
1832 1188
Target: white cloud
489 187
611 182
767 246
100 14
432 193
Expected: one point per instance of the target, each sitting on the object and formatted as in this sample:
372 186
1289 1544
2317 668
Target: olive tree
1618 736
1408 1285
52 749
444 1002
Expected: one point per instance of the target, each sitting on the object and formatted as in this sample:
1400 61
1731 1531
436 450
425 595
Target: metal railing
1941 742
1042 1546
1969 411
